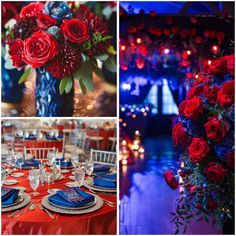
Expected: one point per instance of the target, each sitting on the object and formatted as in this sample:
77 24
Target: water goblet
20 160
3 175
89 167
75 160
79 176
48 175
34 181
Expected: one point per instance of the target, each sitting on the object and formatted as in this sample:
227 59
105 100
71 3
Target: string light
189 52
138 40
209 62
123 47
166 51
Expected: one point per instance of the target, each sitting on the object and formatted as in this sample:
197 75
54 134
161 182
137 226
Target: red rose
15 50
32 9
215 173
226 94
193 108
198 149
75 30
170 179
195 90
222 66
216 129
179 135
40 48
45 21
211 94
230 160
182 107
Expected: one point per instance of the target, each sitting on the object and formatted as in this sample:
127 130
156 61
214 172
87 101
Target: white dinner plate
10 182
71 184
65 171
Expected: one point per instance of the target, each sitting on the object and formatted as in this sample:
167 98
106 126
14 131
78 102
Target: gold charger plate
22 204
95 207
88 183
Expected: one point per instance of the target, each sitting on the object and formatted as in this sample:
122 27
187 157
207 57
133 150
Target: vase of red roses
63 43
205 134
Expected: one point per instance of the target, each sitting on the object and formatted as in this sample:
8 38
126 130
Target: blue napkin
48 137
31 163
9 195
106 181
64 163
101 168
31 137
71 197
108 176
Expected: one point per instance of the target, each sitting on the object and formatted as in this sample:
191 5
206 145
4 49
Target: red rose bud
32 9
195 90
75 30
170 179
193 108
179 135
226 94
40 48
45 21
216 129
215 173
198 150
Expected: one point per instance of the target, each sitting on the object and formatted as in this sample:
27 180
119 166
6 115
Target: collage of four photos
117 117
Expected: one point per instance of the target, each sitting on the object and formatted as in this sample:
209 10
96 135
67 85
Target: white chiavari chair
38 152
103 157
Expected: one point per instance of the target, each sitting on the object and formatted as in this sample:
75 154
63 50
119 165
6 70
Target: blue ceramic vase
49 101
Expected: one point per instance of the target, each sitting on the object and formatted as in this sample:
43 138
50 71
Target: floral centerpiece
205 134
63 42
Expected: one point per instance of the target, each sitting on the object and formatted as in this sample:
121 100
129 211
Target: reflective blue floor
146 200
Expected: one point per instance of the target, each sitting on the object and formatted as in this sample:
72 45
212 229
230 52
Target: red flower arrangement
47 35
205 131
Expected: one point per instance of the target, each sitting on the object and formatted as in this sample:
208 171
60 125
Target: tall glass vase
49 101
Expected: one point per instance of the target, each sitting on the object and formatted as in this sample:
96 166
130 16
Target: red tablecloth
102 221
102 133
44 144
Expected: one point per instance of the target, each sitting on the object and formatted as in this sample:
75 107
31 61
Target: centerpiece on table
205 132
63 43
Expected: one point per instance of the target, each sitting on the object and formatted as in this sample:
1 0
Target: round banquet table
102 221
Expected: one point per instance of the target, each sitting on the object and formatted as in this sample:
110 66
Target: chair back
37 152
103 157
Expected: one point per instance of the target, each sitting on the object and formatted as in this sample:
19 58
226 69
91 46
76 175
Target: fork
106 201
49 214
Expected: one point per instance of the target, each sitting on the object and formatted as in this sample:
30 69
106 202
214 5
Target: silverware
49 214
31 208
106 201
26 207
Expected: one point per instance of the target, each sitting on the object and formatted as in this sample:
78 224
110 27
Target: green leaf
98 72
83 88
110 64
24 76
69 85
102 57
107 38
62 85
85 73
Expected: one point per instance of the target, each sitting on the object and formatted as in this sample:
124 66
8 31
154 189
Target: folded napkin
71 197
9 195
101 168
32 162
31 137
48 137
107 181
64 163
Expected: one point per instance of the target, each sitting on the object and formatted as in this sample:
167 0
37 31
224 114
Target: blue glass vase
11 90
49 101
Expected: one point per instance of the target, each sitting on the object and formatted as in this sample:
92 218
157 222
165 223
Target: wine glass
34 181
89 166
20 160
51 157
48 175
79 176
75 160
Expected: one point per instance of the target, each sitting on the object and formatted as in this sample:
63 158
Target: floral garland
205 134
67 40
